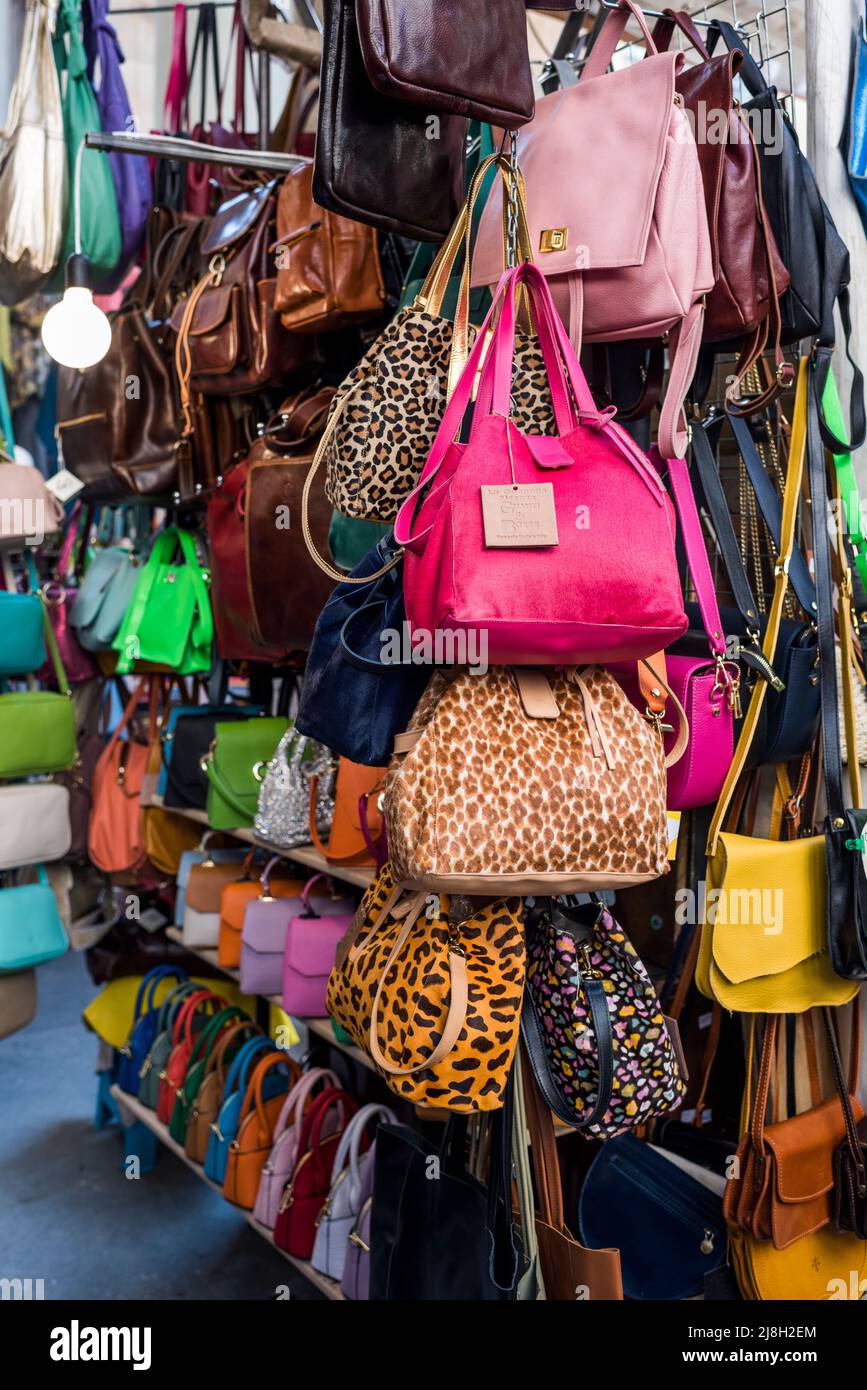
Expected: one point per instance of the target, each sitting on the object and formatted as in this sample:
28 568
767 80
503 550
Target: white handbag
337 1218
34 824
32 163
200 928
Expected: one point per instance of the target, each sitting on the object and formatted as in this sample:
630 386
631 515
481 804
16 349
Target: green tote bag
169 620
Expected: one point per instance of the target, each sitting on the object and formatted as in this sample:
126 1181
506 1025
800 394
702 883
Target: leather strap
543 1150
703 453
531 1032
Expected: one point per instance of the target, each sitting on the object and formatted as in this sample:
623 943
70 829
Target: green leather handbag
169 620
37 727
235 766
187 1092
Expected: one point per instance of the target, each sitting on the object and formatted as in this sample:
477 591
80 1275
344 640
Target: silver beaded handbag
283 812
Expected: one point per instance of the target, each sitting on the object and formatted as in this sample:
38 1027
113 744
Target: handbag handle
356 1129
181 1016
609 36
306 891
206 34
147 986
314 1118
234 1034
543 1149
663 33
208 1036
177 85
268 1063
238 1071
298 1099
265 878
206 1002
172 1004
377 849
696 552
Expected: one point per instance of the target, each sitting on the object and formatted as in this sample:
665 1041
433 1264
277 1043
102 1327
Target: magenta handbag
617 212
59 595
267 922
311 943
705 683
280 1164
543 550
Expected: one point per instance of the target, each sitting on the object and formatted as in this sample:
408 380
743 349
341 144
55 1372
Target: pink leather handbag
311 942
267 923
705 683
617 213
547 549
280 1163
59 595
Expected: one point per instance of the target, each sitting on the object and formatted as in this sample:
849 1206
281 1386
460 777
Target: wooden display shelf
147 1117
307 855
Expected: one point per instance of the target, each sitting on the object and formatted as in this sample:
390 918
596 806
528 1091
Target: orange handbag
249 1150
115 835
191 1017
233 904
357 834
209 1097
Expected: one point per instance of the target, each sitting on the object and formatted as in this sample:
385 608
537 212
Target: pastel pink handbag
617 212
545 550
705 683
311 942
280 1163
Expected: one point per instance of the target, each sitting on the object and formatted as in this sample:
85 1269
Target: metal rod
651 14
175 147
170 9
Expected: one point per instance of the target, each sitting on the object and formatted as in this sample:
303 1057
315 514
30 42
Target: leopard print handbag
431 990
529 781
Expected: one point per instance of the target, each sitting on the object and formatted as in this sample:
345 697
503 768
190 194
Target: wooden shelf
307 855
148 1118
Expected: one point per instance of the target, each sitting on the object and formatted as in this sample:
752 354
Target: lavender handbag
309 949
267 923
130 173
351 1175
281 1160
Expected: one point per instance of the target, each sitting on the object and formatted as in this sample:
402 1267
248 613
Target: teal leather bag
31 931
235 767
37 727
108 584
22 644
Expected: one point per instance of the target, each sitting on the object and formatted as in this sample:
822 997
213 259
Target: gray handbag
283 811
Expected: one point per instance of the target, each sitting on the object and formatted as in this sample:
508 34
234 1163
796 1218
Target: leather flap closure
213 310
804 1147
311 944
595 221
537 697
234 219
766 905
206 884
265 925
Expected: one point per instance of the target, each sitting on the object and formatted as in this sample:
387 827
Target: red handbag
191 1018
308 1188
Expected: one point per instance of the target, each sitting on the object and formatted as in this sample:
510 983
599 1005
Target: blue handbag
274 1083
31 931
668 1227
22 627
199 856
351 700
144 1026
103 598
857 162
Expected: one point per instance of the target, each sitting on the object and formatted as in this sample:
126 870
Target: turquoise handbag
106 589
31 931
22 641
857 162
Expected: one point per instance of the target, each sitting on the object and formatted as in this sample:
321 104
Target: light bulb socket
79 273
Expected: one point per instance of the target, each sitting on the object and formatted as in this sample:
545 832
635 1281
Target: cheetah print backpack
431 990
602 1051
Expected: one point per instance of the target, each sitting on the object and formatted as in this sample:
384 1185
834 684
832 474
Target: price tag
64 485
519 515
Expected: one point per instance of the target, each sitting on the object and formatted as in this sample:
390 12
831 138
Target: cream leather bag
34 824
32 163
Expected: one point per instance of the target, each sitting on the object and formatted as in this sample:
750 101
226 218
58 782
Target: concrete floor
68 1214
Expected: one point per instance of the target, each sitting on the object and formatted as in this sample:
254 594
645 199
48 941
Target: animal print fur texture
414 1003
488 791
385 434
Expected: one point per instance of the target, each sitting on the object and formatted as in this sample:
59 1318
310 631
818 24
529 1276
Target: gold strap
791 495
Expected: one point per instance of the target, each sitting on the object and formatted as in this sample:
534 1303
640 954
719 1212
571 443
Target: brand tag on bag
64 485
519 514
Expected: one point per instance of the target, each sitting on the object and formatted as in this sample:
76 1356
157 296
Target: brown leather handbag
229 336
744 304
328 271
209 1097
249 1150
784 1188
287 589
450 55
567 1266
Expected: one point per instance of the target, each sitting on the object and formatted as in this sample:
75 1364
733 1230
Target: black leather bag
186 786
447 1237
374 161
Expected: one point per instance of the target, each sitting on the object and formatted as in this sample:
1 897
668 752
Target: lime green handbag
169 620
97 200
37 727
235 766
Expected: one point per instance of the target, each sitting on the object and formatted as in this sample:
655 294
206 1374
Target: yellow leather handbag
817 1268
764 934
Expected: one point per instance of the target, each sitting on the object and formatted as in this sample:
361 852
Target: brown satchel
328 271
206 1106
784 1188
287 590
567 1267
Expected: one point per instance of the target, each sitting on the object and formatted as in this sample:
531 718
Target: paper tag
64 485
519 514
152 919
673 827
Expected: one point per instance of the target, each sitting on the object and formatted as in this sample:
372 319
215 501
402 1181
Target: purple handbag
355 1283
267 923
130 172
310 944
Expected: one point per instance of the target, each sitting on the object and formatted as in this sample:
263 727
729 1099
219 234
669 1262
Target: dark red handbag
230 590
308 1188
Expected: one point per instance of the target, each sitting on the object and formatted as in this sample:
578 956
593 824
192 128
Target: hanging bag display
536 577
187 735
115 840
265 937
34 824
200 915
309 948
22 624
356 834
59 594
169 619
106 588
237 897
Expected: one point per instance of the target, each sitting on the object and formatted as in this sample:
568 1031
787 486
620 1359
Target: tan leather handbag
529 781
249 1150
328 271
208 1098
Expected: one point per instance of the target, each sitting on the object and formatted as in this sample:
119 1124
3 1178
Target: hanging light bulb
75 332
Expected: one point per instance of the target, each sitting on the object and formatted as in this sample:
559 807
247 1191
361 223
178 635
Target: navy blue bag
143 1030
351 700
668 1227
